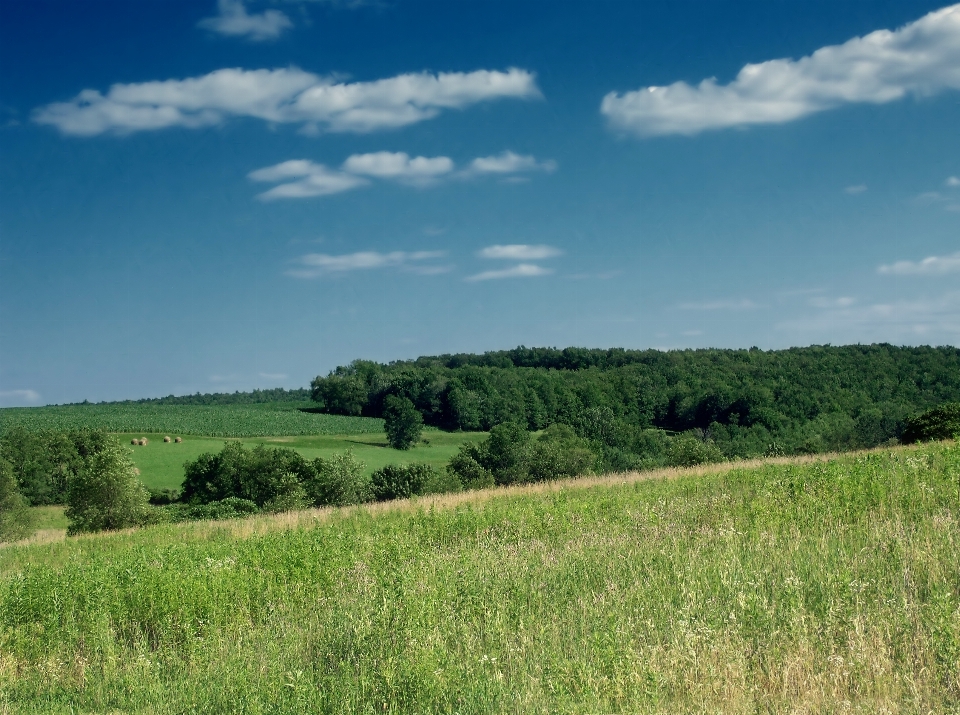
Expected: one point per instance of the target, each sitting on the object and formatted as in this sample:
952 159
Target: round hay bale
143 441
178 440
166 439
134 441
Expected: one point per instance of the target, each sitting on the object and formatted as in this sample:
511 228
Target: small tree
106 494
402 422
338 481
16 520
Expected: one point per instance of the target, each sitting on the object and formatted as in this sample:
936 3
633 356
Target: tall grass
821 587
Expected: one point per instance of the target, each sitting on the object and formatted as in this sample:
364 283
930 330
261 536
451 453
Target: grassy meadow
161 463
240 420
818 586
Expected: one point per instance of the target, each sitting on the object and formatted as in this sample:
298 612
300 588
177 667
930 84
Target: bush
688 450
942 422
511 456
162 497
402 481
16 519
338 481
402 422
229 508
106 494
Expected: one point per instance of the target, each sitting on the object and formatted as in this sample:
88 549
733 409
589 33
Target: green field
161 464
820 587
253 420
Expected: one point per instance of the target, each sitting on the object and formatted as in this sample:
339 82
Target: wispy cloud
929 319
523 270
302 178
288 95
508 163
742 304
520 252
824 302
273 375
311 179
921 58
234 20
399 166
20 396
857 189
314 265
952 181
930 266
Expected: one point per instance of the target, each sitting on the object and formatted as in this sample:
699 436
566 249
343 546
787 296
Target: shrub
338 481
402 481
558 453
402 422
688 450
106 494
160 497
942 422
466 468
16 519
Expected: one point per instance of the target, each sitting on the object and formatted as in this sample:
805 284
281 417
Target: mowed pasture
161 463
817 586
243 420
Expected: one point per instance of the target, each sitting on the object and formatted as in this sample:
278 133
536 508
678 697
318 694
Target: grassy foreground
819 587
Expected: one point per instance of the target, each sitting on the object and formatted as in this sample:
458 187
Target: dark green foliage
941 422
402 481
804 399
338 481
689 450
16 521
510 455
43 462
162 497
261 475
402 422
229 508
105 493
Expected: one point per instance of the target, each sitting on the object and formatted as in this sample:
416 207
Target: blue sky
204 196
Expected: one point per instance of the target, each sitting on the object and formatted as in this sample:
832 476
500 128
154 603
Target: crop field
827 587
161 464
256 420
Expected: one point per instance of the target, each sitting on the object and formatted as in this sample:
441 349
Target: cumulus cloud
930 266
313 265
522 270
399 166
234 20
302 178
921 58
311 179
520 252
288 95
508 163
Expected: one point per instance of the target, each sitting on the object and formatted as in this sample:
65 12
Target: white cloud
273 375
930 266
952 182
311 180
288 95
234 20
508 163
318 264
523 270
743 304
921 58
20 396
399 166
841 302
520 252
858 189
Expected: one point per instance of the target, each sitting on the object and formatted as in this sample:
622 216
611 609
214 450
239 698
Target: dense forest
629 402
256 397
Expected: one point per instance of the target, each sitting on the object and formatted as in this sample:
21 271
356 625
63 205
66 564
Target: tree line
629 404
